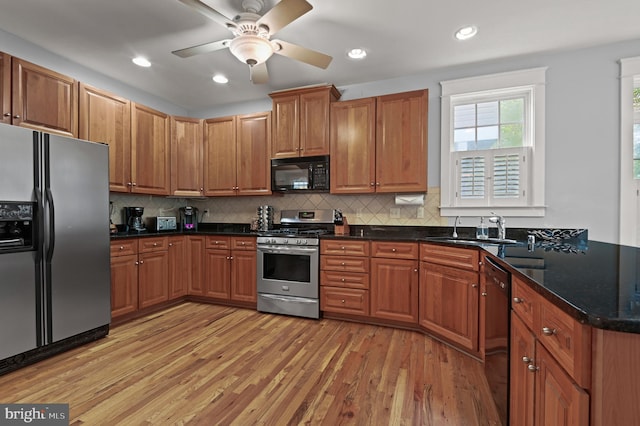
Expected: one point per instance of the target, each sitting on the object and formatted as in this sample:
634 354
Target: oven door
288 271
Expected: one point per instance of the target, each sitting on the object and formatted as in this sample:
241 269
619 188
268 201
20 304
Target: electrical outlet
420 213
394 213
359 212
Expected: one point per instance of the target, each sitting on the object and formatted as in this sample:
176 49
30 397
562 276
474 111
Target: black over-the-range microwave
310 174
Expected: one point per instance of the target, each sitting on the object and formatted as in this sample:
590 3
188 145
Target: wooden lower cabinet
195 271
153 278
521 378
394 289
218 274
178 282
230 268
124 285
243 276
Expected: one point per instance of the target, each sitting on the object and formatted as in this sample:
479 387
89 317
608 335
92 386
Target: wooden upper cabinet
106 118
220 156
5 87
401 142
187 175
301 121
43 99
353 142
253 171
149 151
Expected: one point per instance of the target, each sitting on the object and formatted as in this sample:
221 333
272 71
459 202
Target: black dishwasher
496 289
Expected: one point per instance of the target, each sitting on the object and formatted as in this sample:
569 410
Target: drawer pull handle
342 301
532 368
549 331
343 248
342 264
121 248
343 280
517 300
527 360
393 250
155 244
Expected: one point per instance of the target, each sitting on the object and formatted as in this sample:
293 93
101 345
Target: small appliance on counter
133 219
188 218
265 218
165 223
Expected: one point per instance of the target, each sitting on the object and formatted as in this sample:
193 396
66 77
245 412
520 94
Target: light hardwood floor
207 364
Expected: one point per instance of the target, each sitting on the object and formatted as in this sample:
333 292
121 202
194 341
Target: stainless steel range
288 262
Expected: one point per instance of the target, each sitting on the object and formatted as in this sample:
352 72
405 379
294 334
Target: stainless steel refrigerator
54 244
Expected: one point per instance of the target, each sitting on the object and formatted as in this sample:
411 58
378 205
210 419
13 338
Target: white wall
582 134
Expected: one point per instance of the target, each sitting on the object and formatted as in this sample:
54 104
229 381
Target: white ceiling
403 37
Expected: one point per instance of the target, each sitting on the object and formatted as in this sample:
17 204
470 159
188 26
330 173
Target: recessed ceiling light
357 53
141 61
466 33
219 78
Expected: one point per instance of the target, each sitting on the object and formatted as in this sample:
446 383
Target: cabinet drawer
218 242
568 341
394 250
344 279
243 243
462 258
124 247
343 263
148 245
345 247
344 300
523 301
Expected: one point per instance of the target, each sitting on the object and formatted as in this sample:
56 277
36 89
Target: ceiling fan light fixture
141 61
465 33
251 49
357 53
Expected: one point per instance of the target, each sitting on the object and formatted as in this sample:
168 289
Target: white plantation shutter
491 177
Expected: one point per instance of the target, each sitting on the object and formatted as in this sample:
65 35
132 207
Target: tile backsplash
375 209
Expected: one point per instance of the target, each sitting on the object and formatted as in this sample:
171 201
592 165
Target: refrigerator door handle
52 234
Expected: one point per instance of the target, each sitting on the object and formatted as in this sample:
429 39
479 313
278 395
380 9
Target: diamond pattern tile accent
359 209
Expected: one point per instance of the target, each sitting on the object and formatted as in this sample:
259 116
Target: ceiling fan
252 43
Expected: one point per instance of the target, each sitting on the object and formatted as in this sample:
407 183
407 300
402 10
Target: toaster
166 223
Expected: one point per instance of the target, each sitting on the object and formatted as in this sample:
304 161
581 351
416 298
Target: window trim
481 86
629 187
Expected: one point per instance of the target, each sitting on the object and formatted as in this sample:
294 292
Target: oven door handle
288 298
280 250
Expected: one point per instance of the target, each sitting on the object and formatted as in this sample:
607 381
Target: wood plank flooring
207 364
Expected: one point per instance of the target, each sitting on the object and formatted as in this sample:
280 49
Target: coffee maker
133 219
189 218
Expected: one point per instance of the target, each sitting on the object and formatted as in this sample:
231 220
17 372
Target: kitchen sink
476 241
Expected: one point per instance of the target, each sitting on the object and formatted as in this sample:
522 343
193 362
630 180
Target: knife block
342 229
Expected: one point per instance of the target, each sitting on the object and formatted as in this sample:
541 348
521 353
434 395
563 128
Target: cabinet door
253 169
559 401
5 88
220 156
195 270
521 379
401 142
106 118
149 151
449 304
314 123
394 289
43 99
353 151
153 278
217 274
177 267
286 126
124 284
243 276
187 176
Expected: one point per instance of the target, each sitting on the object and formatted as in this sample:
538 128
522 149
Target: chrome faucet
499 220
455 227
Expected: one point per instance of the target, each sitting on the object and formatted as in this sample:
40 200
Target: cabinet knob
532 368
16 116
201 189
129 183
377 183
342 248
170 244
372 184
121 247
415 270
155 244
137 263
527 360
342 264
484 293
517 300
242 243
134 184
141 262
342 301
230 257
474 285
343 280
393 250
548 331
7 114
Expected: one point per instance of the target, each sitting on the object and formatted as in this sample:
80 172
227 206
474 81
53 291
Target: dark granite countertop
596 283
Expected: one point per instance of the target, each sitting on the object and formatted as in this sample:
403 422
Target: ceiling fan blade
302 54
202 48
210 13
259 74
283 13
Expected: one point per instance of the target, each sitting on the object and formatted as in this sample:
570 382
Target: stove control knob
285 241
302 242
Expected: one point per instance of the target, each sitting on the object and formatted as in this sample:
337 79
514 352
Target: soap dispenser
482 231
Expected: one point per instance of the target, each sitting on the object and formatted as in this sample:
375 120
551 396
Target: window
493 144
636 127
